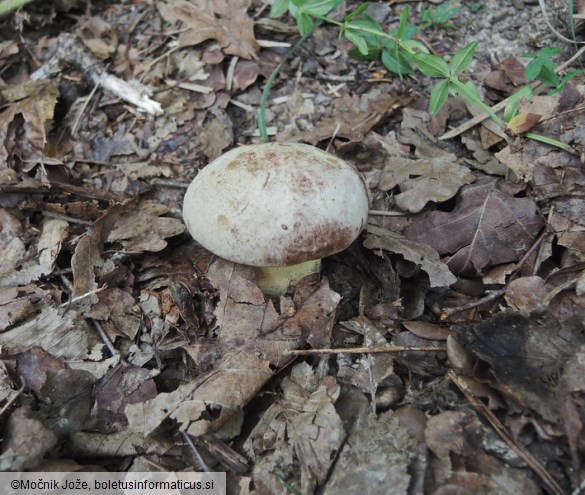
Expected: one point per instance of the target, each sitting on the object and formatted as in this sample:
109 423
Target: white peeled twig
71 51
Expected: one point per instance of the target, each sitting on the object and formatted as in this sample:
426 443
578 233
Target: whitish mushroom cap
276 204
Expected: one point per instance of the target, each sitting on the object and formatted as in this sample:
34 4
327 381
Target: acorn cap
276 204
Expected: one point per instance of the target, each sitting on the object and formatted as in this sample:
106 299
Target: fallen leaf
226 22
423 180
385 450
487 227
36 109
304 423
26 441
521 123
143 229
420 254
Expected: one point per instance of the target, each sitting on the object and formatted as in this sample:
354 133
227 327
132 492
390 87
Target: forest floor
126 346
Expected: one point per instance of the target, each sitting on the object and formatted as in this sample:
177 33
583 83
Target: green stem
548 140
261 119
464 91
8 6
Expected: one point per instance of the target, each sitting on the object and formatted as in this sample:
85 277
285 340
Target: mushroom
279 207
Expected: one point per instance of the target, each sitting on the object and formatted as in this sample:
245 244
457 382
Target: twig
506 436
551 27
67 218
384 213
491 297
83 296
202 464
364 350
478 119
70 50
15 396
105 339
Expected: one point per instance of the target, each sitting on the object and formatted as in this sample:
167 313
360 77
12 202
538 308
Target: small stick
491 297
384 213
364 350
15 396
506 436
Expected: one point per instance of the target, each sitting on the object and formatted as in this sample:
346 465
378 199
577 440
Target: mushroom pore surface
276 204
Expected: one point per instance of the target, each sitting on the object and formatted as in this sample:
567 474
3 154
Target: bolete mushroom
279 207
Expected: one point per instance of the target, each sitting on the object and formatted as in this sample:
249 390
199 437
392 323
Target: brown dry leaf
301 428
526 354
123 443
54 233
460 464
226 22
87 263
569 234
553 171
11 244
352 117
99 36
26 441
425 330
368 371
487 227
17 303
143 228
63 333
507 76
217 135
423 180
122 385
252 341
36 109
115 310
526 294
522 122
420 254
377 458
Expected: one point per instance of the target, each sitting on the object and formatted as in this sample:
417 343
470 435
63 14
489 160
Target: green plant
476 7
8 6
542 68
402 54
439 17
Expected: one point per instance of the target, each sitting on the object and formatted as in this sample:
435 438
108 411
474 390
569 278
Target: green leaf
319 7
431 65
279 7
524 93
439 95
533 69
547 64
463 58
358 41
357 11
366 22
549 77
414 46
403 22
444 12
304 23
549 51
395 62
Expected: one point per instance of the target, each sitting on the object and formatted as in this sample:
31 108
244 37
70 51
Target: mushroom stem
278 280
